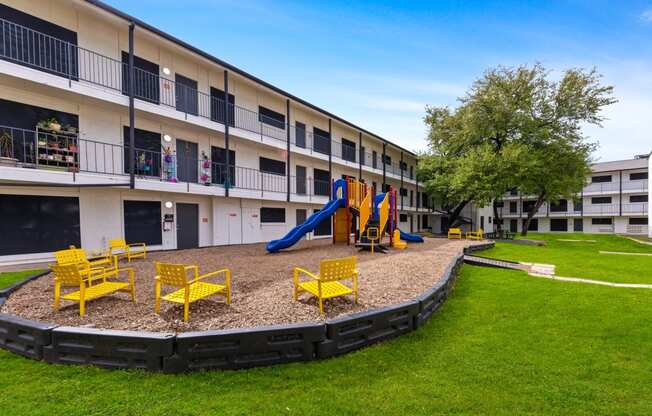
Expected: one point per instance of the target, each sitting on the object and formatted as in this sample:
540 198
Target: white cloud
646 16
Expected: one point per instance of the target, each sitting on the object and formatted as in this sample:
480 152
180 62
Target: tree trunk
454 215
498 221
533 210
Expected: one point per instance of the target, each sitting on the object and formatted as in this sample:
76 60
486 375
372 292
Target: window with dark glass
578 225
533 226
272 215
300 135
411 172
513 207
578 205
601 221
403 218
348 150
638 176
38 224
276 167
363 160
403 192
185 94
301 180
374 159
321 141
403 165
638 198
411 197
601 179
527 205
142 221
218 166
147 152
560 206
146 79
638 221
217 106
558 224
388 160
271 117
36 43
321 183
601 200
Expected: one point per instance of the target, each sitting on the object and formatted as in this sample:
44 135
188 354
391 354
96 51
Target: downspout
287 105
132 110
227 180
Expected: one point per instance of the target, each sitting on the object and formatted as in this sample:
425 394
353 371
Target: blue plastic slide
411 237
312 222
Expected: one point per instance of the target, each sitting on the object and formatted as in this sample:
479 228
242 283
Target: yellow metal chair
326 284
475 235
191 290
78 256
120 247
455 233
71 275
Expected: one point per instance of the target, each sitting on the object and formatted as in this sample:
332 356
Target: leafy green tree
512 119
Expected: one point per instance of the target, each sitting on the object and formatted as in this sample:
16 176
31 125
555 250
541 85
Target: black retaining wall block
2 300
108 348
23 336
244 348
365 328
431 299
478 247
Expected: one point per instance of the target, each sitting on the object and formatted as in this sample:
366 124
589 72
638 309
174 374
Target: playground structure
354 211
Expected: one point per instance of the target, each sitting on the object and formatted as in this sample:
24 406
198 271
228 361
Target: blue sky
379 63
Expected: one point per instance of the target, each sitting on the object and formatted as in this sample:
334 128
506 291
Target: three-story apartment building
112 128
615 199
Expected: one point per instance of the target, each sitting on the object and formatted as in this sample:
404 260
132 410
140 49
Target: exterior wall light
168 204
166 70
167 138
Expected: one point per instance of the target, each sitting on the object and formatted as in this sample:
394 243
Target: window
49 53
385 187
527 205
403 218
638 198
374 159
403 166
276 167
558 224
321 141
301 180
143 222
637 176
561 206
363 160
324 227
348 150
601 200
533 226
578 206
578 224
38 224
185 93
271 117
147 145
146 79
601 221
268 215
322 179
489 220
217 106
601 179
638 221
218 168
403 192
388 160
300 135
411 196
513 207
411 172
424 199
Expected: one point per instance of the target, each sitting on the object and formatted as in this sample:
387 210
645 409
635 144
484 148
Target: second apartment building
219 156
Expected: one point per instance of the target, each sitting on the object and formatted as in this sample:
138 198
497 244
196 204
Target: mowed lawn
582 258
9 278
504 343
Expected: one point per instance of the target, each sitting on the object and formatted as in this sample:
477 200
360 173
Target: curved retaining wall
223 349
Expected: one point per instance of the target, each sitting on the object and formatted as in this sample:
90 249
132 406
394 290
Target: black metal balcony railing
25 46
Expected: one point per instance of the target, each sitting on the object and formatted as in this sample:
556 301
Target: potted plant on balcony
6 150
205 169
51 124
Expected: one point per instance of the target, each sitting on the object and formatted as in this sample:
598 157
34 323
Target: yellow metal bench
190 290
71 275
119 247
455 233
475 235
326 284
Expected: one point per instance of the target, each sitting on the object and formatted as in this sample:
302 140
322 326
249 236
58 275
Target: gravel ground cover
262 288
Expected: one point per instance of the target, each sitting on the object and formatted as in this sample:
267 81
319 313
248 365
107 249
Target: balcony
68 155
36 50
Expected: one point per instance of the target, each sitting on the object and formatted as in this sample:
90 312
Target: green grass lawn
582 259
504 343
9 278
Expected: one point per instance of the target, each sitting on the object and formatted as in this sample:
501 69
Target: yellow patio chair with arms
326 284
475 235
77 256
190 290
455 233
71 275
119 247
